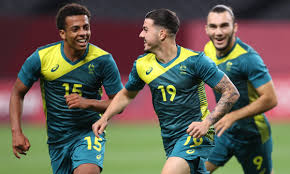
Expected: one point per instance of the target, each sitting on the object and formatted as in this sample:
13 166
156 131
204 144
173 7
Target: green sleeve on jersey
207 71
134 83
30 70
255 69
112 80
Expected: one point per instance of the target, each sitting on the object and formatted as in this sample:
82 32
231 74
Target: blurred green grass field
130 149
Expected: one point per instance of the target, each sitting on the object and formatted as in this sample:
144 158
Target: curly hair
71 9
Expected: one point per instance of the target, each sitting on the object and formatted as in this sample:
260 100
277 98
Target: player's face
150 34
77 32
221 30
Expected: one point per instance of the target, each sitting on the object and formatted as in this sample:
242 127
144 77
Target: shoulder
45 50
251 59
145 58
49 47
193 56
244 48
250 54
189 52
190 56
95 51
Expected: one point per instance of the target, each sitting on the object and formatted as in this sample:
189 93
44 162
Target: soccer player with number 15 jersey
71 72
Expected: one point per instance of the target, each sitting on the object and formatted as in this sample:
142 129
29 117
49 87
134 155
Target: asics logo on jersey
54 68
149 71
98 156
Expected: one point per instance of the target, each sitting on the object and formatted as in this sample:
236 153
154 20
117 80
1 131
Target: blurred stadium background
134 144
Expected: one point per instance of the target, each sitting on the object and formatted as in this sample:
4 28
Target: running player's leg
188 156
60 159
220 154
87 169
176 165
256 158
88 154
210 166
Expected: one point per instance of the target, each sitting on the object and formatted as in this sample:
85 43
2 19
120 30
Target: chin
220 47
146 50
81 48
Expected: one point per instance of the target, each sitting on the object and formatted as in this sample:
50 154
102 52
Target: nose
218 31
141 35
83 32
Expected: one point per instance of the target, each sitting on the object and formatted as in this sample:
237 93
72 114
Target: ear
162 34
235 27
62 34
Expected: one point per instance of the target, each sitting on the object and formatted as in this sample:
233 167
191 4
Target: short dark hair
165 18
220 8
71 9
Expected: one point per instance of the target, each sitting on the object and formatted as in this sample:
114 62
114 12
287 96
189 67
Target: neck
166 52
221 53
72 54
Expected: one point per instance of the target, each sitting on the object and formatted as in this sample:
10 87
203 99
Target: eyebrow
222 24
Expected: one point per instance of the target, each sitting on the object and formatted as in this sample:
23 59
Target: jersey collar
68 60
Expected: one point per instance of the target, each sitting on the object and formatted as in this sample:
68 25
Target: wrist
105 118
230 116
16 131
207 122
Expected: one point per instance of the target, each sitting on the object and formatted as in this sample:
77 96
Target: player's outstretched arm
20 144
118 104
266 101
230 95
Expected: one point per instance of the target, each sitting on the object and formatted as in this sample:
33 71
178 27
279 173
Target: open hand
99 126
223 124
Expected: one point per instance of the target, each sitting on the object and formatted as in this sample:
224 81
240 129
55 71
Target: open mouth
145 43
82 42
219 40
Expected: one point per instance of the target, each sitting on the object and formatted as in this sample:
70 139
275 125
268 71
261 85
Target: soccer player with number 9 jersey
245 131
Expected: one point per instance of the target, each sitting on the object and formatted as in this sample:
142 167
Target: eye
224 25
75 29
145 29
212 26
86 27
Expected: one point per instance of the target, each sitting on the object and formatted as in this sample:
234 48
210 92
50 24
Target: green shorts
194 151
253 156
86 148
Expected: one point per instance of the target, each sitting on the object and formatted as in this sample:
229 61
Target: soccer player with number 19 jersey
176 78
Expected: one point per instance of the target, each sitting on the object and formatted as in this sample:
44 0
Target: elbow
274 102
271 102
236 95
121 111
